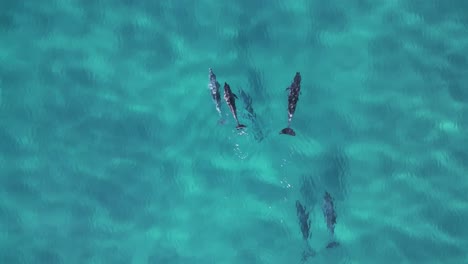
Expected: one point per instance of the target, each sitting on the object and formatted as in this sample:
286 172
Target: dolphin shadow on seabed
251 115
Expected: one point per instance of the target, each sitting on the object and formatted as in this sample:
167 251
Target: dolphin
294 90
230 98
213 85
329 213
304 223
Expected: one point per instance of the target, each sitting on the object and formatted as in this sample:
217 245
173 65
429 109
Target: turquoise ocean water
111 150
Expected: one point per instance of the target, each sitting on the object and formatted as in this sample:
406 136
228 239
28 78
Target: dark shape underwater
251 115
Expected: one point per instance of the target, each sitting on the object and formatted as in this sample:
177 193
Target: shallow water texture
112 151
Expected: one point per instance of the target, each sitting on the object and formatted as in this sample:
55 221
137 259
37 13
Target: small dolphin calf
329 213
230 98
213 85
293 97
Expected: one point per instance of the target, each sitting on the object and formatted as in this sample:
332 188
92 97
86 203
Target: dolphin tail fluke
288 131
307 252
240 126
333 244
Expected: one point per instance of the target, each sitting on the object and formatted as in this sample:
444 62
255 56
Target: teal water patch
111 150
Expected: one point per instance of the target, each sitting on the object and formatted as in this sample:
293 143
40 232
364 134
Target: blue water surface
112 151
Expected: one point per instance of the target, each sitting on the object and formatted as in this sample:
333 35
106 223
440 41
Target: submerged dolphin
213 85
304 224
230 98
329 213
293 97
304 221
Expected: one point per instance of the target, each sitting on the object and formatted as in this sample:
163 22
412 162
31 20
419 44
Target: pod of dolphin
230 98
328 207
329 213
